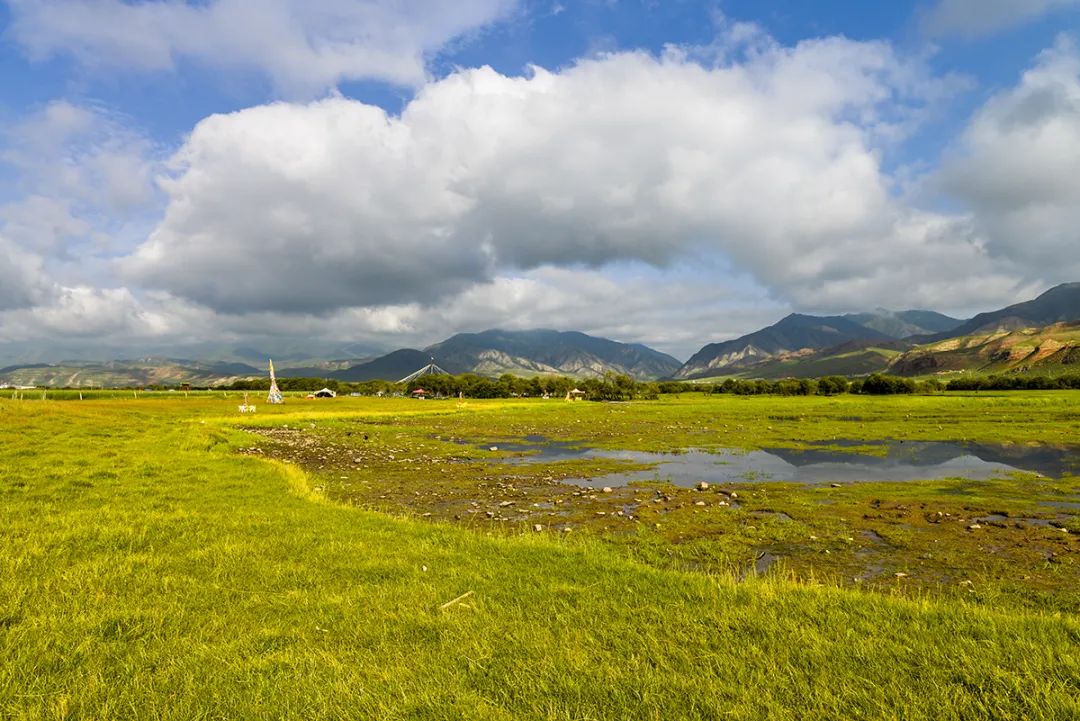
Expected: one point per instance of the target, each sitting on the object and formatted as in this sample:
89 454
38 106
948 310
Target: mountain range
906 343
1040 335
799 334
529 352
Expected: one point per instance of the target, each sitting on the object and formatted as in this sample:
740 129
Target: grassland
154 565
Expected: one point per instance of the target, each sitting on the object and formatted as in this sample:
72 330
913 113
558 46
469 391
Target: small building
419 394
324 393
575 394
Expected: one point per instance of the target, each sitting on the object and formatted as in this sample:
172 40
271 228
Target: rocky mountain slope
858 343
792 334
493 352
530 352
390 367
905 323
1046 350
1060 304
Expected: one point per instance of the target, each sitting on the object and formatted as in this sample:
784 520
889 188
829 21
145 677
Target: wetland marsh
923 494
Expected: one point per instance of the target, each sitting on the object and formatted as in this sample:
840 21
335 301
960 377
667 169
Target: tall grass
146 571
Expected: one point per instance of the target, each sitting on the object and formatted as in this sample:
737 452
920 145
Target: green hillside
1048 350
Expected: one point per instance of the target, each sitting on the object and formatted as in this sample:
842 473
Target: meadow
164 557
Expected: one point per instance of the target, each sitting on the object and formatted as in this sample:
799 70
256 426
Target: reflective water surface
900 461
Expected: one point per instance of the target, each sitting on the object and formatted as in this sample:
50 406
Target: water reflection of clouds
901 461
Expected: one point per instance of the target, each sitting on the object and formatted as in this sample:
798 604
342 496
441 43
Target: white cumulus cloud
82 176
772 162
23 282
1017 164
302 46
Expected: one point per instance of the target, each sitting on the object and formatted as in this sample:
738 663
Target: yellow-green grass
148 571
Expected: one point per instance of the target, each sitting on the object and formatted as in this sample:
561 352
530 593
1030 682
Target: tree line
1016 383
609 387
618 387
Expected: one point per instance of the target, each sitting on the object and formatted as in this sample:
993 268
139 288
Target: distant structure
429 370
275 395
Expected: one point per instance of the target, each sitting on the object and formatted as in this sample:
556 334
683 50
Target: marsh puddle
900 461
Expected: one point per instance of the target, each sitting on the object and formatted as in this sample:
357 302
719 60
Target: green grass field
154 566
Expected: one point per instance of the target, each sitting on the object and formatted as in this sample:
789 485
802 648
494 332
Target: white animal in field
245 408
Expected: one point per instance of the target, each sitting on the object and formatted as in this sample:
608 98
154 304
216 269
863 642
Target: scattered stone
836 485
537 527
494 448
504 504
900 574
700 503
606 489
490 514
733 494
703 486
974 527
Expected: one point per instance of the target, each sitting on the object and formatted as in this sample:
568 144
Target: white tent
429 370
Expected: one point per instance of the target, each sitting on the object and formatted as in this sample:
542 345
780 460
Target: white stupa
275 395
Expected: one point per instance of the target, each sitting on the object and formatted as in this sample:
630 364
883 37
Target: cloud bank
974 18
598 196
302 46
773 163
1017 164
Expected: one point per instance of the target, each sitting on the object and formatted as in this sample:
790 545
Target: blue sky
678 173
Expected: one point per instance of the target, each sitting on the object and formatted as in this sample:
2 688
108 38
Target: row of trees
1016 383
616 387
876 384
610 387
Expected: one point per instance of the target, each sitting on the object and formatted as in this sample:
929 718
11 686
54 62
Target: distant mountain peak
1060 304
536 351
793 333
